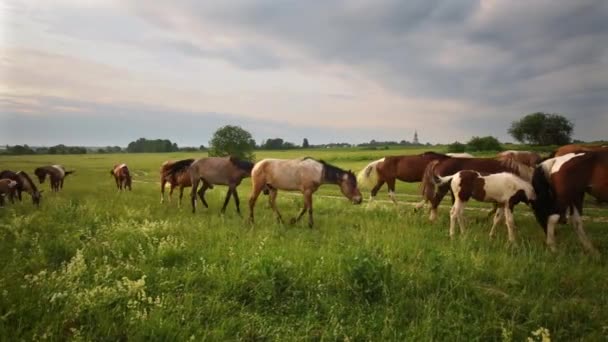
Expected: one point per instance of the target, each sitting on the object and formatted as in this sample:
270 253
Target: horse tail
544 205
178 167
428 180
365 176
67 173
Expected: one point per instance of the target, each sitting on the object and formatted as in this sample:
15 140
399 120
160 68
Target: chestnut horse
305 175
447 167
404 168
561 183
122 176
56 174
229 171
504 189
179 177
24 183
577 148
525 157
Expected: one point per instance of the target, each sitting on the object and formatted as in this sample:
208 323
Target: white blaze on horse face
60 169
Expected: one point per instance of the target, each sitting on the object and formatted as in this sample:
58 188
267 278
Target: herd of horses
553 187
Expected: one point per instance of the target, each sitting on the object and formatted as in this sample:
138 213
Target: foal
178 177
305 175
122 176
504 189
56 173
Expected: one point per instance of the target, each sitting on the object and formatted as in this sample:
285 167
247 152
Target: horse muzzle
357 200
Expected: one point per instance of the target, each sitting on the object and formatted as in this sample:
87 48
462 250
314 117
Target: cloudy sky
108 72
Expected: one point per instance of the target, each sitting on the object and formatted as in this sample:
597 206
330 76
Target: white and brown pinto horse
179 176
528 158
122 176
229 171
305 175
503 189
24 183
561 183
56 173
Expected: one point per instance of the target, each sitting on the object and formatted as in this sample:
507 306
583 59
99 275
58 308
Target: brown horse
24 183
6 188
525 157
56 174
404 168
578 148
561 183
447 167
229 171
122 176
179 177
305 175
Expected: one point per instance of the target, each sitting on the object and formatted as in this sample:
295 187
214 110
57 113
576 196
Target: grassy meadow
95 264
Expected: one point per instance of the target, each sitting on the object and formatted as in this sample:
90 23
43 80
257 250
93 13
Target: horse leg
441 191
273 204
181 195
255 192
375 189
509 222
494 210
310 221
304 209
577 223
497 218
228 195
172 187
461 216
391 190
551 222
61 184
453 218
195 181
235 195
201 192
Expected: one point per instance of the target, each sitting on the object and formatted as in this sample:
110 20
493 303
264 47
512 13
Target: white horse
305 175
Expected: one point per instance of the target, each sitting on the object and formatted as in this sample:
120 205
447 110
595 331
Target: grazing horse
460 155
6 188
504 189
305 175
179 177
560 184
122 176
56 173
24 183
450 166
404 168
577 148
211 171
525 157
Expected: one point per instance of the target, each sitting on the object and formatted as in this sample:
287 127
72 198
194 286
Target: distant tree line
57 149
143 145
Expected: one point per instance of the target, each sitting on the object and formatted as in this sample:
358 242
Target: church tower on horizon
415 141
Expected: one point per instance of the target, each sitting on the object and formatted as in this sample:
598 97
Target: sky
99 73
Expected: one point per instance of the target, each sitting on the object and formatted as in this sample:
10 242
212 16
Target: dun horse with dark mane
305 175
56 173
122 176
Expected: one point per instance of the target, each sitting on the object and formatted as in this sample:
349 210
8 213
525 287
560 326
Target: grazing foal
178 177
404 168
561 183
504 189
56 174
6 187
305 175
122 176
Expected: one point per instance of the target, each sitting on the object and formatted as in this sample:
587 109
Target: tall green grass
95 264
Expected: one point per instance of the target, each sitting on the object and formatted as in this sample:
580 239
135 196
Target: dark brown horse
305 175
122 176
56 173
229 171
561 183
24 183
578 148
404 168
179 176
447 167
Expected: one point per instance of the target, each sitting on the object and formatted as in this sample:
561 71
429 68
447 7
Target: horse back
483 165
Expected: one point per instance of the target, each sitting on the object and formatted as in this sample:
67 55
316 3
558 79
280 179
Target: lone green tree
232 141
542 129
305 143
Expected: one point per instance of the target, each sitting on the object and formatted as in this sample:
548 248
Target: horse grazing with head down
528 158
404 168
504 189
122 176
305 175
229 171
561 183
56 173
24 183
447 167
578 148
179 176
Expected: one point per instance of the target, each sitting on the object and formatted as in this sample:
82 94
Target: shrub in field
232 141
488 143
456 147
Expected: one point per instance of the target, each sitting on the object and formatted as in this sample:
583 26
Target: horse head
36 197
348 186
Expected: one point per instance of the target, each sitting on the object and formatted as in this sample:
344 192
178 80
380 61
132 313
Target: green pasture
95 264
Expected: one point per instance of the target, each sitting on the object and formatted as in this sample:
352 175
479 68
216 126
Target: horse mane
332 173
28 179
179 167
521 170
244 165
427 186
